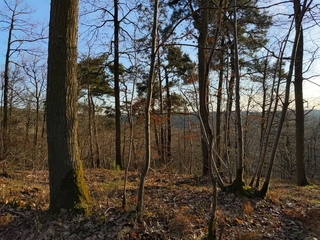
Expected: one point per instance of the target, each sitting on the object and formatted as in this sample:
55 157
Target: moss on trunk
73 194
67 186
239 188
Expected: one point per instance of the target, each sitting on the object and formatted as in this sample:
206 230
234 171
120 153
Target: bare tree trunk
157 139
190 155
116 85
219 101
162 144
246 126
298 92
131 145
18 32
169 104
67 186
208 135
147 111
95 135
5 135
36 130
28 118
227 141
203 87
264 103
94 149
298 21
91 150
240 163
266 121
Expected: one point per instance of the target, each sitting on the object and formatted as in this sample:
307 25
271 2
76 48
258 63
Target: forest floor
176 207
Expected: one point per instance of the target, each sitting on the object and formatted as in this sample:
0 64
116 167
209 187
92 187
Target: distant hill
315 113
181 121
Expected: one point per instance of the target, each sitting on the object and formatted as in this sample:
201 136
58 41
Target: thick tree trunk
67 186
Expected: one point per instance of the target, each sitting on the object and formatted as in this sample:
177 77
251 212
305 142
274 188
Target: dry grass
177 207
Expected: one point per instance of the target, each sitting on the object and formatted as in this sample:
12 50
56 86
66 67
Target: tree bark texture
203 88
298 92
67 186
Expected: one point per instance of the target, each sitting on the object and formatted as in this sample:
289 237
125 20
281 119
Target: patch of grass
314 201
114 166
276 195
23 194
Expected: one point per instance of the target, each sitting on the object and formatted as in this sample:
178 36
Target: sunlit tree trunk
169 104
295 48
95 135
91 150
147 111
67 186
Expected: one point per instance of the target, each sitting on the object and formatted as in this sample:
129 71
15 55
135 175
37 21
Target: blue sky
41 10
41 14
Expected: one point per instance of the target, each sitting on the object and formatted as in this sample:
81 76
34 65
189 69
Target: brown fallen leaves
176 207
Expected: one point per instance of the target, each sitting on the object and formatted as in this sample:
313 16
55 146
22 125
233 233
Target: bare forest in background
28 148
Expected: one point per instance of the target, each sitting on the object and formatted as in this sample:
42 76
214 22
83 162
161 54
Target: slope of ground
176 207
